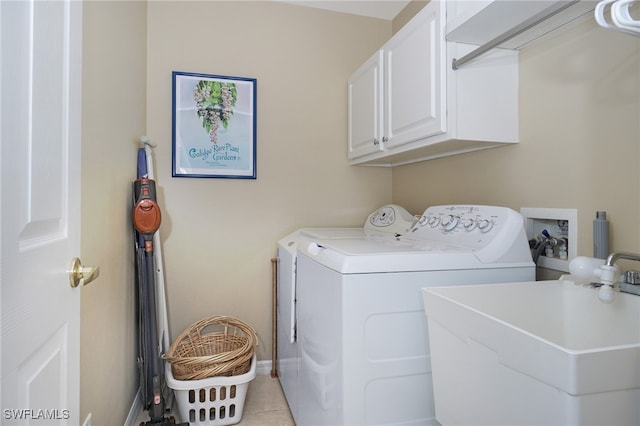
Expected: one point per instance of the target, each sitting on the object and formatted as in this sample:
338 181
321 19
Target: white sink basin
546 352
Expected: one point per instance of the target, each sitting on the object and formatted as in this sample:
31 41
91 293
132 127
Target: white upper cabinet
407 103
397 96
429 110
366 120
414 86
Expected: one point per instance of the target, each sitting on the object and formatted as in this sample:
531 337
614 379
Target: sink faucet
613 257
609 274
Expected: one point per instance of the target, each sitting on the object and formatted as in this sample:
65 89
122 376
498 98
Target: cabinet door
365 108
415 89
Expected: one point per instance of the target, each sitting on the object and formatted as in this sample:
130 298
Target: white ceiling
381 9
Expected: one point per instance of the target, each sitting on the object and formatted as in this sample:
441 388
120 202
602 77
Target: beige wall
114 105
579 149
219 235
579 140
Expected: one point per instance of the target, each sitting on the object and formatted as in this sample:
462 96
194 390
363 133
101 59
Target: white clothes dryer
362 354
387 222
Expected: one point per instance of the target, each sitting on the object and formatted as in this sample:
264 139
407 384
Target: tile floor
264 405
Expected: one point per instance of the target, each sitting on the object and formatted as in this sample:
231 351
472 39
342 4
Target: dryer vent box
559 223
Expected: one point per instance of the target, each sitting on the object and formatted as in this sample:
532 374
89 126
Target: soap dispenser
601 235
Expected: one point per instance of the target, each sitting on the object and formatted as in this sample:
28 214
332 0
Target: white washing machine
387 222
362 352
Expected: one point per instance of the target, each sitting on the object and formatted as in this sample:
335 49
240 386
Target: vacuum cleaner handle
146 213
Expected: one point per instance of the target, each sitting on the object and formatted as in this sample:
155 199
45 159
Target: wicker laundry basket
214 346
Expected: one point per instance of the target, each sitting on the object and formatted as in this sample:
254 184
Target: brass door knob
82 275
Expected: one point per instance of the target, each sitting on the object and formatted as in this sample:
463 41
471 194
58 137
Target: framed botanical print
214 126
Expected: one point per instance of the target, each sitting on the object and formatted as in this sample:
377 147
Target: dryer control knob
434 221
470 224
485 225
450 222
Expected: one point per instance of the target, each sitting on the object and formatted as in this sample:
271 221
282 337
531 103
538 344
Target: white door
40 210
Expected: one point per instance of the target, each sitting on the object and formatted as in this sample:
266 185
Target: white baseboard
262 367
136 406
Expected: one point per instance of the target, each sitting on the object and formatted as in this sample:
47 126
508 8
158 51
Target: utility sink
538 353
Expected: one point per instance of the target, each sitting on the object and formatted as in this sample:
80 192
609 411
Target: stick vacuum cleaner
146 220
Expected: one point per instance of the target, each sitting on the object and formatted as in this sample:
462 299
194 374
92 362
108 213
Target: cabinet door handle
385 139
376 142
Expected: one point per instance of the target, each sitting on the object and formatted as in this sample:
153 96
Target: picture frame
213 126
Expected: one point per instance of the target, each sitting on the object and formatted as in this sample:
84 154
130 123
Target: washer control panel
466 225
